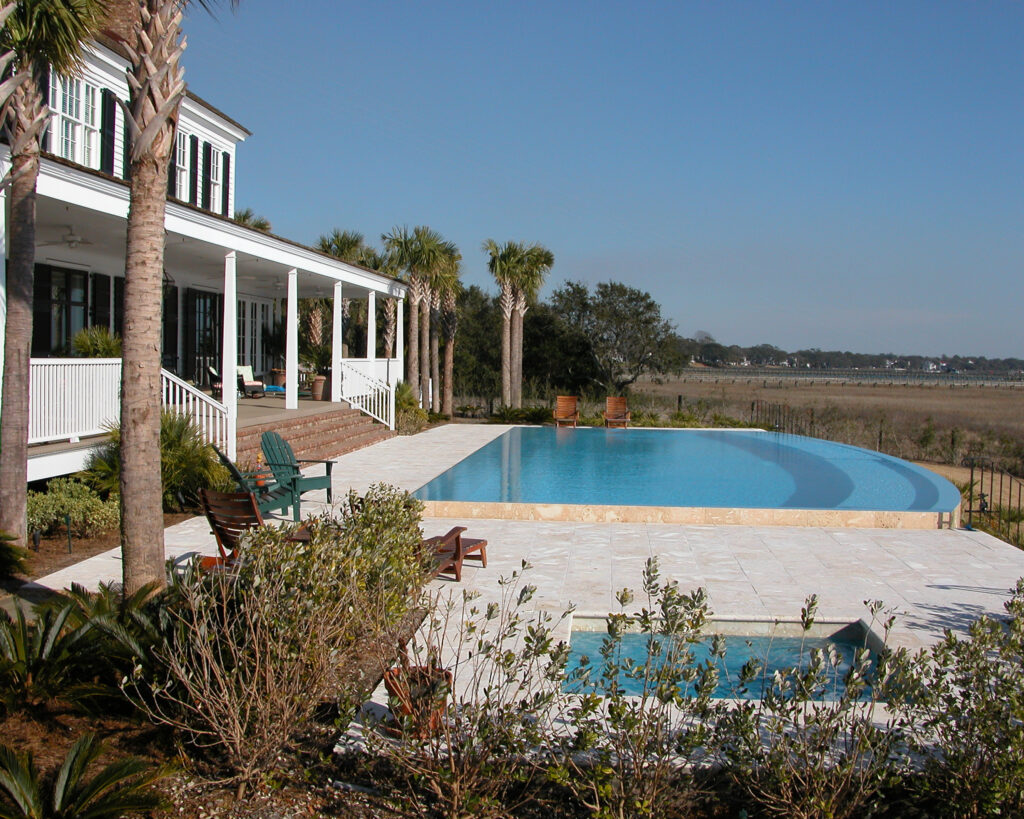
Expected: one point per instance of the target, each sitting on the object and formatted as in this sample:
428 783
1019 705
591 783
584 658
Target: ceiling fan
71 239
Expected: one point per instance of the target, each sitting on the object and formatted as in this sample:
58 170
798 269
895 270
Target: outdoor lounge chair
248 386
616 412
231 515
271 496
449 550
567 410
280 457
215 382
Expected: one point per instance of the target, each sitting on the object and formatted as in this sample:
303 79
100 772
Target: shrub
118 789
187 462
537 415
96 342
90 515
12 558
248 655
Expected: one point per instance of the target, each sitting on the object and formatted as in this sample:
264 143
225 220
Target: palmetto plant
537 261
118 789
505 263
37 36
247 217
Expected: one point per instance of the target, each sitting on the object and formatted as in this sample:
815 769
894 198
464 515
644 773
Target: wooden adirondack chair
231 515
280 457
616 412
567 410
271 497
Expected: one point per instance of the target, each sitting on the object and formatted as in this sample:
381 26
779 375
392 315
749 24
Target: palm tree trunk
519 310
142 529
505 303
425 350
412 352
435 363
390 318
450 318
18 336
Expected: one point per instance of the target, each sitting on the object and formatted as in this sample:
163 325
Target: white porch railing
70 398
210 415
366 393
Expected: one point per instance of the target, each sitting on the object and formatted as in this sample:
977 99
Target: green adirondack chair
280 457
273 496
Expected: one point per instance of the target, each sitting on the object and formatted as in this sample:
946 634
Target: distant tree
627 334
347 245
556 355
247 218
703 337
478 354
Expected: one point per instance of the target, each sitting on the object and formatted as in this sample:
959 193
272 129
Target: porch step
320 437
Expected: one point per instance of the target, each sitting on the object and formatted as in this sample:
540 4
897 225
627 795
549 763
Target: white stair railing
70 398
368 394
210 416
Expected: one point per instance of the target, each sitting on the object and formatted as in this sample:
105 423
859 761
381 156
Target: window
182 166
214 180
68 303
75 106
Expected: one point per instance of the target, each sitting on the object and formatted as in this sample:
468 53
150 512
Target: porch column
400 337
336 337
371 325
229 353
291 347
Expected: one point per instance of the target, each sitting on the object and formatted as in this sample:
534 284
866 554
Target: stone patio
934 579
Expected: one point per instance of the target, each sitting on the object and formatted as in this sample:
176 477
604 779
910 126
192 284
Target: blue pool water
773 652
735 469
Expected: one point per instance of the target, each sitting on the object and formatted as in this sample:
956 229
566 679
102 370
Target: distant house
223 283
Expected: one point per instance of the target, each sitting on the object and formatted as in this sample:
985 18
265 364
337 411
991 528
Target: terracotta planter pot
421 693
279 377
317 387
327 390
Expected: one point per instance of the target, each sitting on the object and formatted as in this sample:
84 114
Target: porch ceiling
199 262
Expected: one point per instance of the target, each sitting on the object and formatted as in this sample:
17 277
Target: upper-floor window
75 123
182 166
215 194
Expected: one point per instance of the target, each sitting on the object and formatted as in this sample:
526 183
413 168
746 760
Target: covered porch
225 288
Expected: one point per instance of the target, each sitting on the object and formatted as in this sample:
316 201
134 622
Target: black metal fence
782 418
995 501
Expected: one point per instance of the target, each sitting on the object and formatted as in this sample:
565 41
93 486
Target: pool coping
694 515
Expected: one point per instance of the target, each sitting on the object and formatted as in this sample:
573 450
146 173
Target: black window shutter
108 130
44 85
170 338
119 305
100 315
41 341
172 168
193 169
126 152
207 160
225 176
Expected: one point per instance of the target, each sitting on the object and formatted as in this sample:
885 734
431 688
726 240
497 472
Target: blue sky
833 175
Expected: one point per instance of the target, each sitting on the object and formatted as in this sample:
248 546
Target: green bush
187 463
12 558
249 655
684 419
96 342
90 515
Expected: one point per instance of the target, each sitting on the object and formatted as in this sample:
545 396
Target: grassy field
934 423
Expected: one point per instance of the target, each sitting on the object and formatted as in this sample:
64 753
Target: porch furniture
280 457
248 386
448 551
567 410
231 515
616 412
215 382
274 496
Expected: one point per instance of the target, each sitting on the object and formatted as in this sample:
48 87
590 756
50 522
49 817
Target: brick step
351 444
320 437
335 416
303 427
312 439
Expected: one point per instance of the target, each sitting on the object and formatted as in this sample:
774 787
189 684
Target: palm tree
418 253
504 263
347 245
156 86
537 261
248 218
449 322
36 34
385 263
442 278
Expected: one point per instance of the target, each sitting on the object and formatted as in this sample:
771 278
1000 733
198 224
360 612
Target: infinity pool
748 469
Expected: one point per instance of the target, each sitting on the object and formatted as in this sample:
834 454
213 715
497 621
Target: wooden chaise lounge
567 410
448 551
231 515
616 412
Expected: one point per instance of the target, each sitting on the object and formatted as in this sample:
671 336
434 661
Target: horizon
842 178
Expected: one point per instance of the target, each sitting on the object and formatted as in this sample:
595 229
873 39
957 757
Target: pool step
319 437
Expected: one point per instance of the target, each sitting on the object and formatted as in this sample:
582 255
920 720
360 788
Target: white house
223 282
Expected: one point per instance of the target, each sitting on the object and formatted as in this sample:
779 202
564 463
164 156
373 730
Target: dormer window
215 194
75 123
182 166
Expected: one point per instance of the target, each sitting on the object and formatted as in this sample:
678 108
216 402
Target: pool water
687 468
773 652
